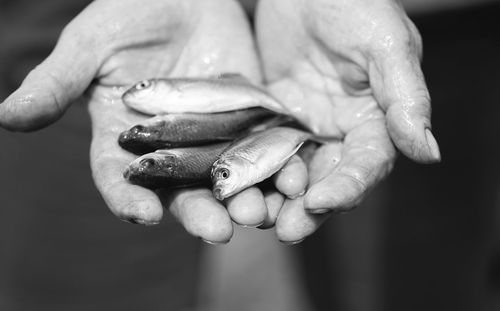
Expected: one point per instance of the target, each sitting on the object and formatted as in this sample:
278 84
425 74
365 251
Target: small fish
254 158
199 95
168 168
191 129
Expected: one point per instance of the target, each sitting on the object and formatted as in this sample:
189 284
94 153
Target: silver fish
174 167
199 95
254 158
192 129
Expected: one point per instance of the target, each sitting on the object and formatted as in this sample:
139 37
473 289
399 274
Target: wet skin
117 43
349 69
345 68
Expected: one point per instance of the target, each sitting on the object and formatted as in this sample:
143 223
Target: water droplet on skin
113 96
109 100
208 62
119 90
388 42
296 109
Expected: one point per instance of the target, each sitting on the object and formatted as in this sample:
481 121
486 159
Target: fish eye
147 163
223 173
143 84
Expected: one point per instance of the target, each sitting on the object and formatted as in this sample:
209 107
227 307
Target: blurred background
427 238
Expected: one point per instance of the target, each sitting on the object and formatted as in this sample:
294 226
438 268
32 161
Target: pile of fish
222 132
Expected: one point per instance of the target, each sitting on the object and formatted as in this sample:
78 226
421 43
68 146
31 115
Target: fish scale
187 129
256 145
199 95
214 109
198 164
174 167
254 158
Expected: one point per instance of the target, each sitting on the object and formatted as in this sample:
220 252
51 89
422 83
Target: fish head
141 92
151 169
228 176
138 139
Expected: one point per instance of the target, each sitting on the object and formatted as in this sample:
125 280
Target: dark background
426 239
60 246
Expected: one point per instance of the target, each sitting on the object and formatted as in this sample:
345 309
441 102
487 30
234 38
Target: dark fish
192 129
174 167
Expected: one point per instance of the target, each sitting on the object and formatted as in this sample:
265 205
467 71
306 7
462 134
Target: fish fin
175 152
279 120
294 151
290 121
233 76
224 138
250 161
324 139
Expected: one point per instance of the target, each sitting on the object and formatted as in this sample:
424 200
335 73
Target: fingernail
214 243
265 226
292 242
146 223
252 226
341 211
293 197
130 221
433 145
137 221
318 211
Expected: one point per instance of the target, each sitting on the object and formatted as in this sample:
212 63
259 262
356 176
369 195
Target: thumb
399 87
49 89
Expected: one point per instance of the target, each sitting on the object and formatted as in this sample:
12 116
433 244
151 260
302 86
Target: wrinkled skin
120 42
348 69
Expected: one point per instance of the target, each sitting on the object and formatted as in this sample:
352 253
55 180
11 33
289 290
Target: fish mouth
136 178
217 192
135 144
124 136
127 94
126 174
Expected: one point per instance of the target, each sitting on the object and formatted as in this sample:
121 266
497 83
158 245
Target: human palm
347 69
350 70
112 44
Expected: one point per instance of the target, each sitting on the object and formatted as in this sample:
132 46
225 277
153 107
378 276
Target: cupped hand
114 43
350 70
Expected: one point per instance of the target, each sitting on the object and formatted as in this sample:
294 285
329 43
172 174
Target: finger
52 86
367 157
399 87
248 207
294 224
307 151
221 42
274 201
324 161
200 214
108 161
292 179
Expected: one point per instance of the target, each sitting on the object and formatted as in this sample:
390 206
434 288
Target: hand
117 43
348 69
